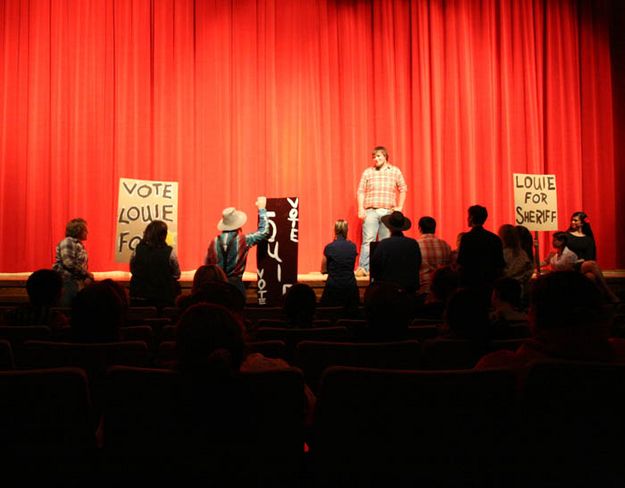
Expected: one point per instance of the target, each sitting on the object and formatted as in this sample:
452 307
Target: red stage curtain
238 98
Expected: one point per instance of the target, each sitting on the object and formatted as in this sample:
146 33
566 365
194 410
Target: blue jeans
372 228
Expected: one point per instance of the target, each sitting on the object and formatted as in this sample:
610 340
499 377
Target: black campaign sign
277 256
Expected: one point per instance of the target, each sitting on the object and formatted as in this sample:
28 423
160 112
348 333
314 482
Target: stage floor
13 285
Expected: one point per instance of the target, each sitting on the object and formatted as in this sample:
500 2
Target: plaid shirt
380 187
71 259
435 253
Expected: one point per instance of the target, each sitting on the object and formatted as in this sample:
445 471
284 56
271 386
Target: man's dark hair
427 225
478 214
44 287
562 236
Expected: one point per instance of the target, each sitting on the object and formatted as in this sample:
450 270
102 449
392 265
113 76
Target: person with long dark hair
518 263
526 240
155 269
581 241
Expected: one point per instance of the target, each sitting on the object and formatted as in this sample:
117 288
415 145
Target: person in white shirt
562 259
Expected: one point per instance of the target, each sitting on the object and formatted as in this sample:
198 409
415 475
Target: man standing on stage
378 196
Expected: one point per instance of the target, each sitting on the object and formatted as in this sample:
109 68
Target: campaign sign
535 201
277 256
140 202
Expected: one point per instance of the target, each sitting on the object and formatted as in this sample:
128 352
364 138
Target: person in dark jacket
480 255
398 258
155 269
338 262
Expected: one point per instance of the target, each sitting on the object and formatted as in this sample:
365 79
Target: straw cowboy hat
232 219
396 221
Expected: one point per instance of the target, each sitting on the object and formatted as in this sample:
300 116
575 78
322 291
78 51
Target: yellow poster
140 202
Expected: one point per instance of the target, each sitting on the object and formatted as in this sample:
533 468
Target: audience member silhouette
213 402
444 283
204 276
210 348
518 264
388 311
97 314
300 304
207 273
216 292
480 255
397 259
525 240
453 257
466 316
44 288
506 307
121 293
568 321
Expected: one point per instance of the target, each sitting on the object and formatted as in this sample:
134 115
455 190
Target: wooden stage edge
13 285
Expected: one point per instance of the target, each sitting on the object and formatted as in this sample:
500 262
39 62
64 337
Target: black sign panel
277 256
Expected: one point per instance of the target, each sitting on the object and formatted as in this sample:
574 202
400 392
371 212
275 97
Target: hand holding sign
261 202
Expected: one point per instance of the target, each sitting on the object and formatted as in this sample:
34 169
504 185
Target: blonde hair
340 228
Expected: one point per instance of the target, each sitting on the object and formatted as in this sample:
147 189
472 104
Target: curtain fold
239 98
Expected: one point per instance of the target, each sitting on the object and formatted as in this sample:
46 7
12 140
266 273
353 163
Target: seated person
506 307
506 301
466 317
388 311
210 348
300 303
568 321
444 283
97 314
216 292
122 295
44 288
205 275
562 259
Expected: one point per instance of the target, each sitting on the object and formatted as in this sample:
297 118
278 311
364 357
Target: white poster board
140 202
535 201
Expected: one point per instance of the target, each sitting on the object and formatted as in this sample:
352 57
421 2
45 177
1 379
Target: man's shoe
361 273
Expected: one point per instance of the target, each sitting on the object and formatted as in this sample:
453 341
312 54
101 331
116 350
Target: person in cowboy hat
398 258
229 249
